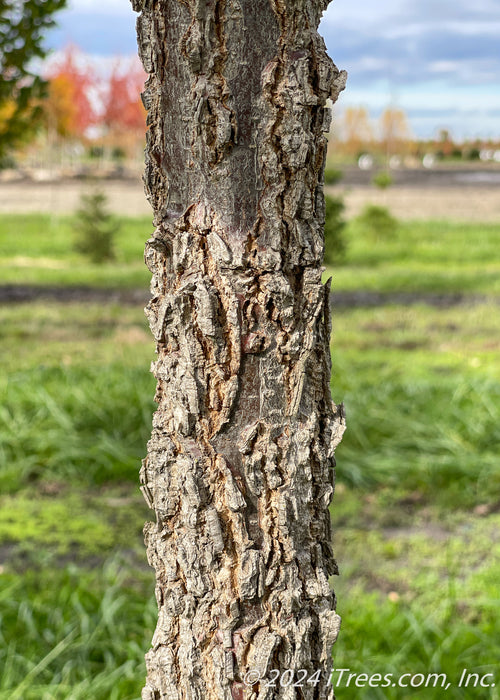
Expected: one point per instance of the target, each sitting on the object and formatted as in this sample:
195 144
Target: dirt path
410 202
126 197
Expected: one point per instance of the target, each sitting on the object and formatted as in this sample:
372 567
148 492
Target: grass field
38 249
423 256
417 508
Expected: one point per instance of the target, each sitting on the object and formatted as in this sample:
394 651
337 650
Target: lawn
38 249
423 256
416 512
432 256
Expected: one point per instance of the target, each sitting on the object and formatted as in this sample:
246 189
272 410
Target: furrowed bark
240 464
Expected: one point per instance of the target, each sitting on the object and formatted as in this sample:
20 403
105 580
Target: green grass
422 256
74 633
77 398
418 488
82 404
418 596
67 520
44 334
90 425
416 508
38 249
421 388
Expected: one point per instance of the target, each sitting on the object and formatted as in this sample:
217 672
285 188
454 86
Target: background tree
123 108
357 133
395 133
95 228
23 24
240 462
124 116
68 107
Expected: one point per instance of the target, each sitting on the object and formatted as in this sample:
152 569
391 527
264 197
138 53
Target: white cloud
443 67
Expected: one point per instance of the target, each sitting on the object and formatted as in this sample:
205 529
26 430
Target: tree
240 463
124 116
123 109
68 107
23 24
356 129
395 132
95 228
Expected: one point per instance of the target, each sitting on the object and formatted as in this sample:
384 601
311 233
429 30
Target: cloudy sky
437 59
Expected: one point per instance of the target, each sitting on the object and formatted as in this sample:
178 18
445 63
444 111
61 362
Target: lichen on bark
240 464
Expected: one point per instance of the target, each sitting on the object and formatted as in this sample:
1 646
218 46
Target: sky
439 60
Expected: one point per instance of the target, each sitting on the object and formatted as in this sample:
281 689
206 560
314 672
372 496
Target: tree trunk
240 462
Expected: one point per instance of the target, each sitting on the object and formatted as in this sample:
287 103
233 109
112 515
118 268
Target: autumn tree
445 145
124 116
123 108
395 134
68 107
240 463
23 25
356 129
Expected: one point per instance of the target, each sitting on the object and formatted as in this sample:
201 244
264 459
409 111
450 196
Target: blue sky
437 59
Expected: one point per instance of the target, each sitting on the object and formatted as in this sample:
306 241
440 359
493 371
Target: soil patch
14 293
23 293
460 195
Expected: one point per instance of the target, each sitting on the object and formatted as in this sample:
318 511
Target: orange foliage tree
123 109
69 109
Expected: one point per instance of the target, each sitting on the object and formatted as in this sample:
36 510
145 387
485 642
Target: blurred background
413 246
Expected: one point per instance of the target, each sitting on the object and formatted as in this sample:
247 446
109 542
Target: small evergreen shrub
332 176
95 152
377 222
382 180
335 244
118 154
95 228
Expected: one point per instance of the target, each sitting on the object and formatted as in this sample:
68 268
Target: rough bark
240 463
